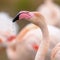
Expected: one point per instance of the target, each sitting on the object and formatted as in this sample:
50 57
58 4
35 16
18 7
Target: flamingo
22 45
51 12
45 42
8 32
55 54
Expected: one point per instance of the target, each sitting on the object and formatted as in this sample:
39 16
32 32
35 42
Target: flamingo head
34 17
23 15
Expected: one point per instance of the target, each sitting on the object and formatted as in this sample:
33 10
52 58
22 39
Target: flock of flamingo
39 40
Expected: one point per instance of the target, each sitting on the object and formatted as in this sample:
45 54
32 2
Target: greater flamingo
39 21
24 47
51 12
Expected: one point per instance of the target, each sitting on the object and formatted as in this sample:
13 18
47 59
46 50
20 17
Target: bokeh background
13 7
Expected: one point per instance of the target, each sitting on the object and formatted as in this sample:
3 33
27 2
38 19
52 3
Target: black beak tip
16 18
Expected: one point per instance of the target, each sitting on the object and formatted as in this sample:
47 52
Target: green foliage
24 5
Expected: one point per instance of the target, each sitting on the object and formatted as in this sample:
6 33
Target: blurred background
12 7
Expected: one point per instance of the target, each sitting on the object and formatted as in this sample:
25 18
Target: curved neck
44 45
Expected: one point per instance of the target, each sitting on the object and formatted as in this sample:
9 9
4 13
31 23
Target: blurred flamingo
8 31
55 54
51 12
24 43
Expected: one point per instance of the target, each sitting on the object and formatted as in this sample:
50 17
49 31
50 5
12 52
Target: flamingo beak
16 18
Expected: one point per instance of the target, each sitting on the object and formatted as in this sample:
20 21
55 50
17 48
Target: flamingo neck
44 45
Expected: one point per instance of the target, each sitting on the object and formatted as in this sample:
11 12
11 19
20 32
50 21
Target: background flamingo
8 31
51 12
